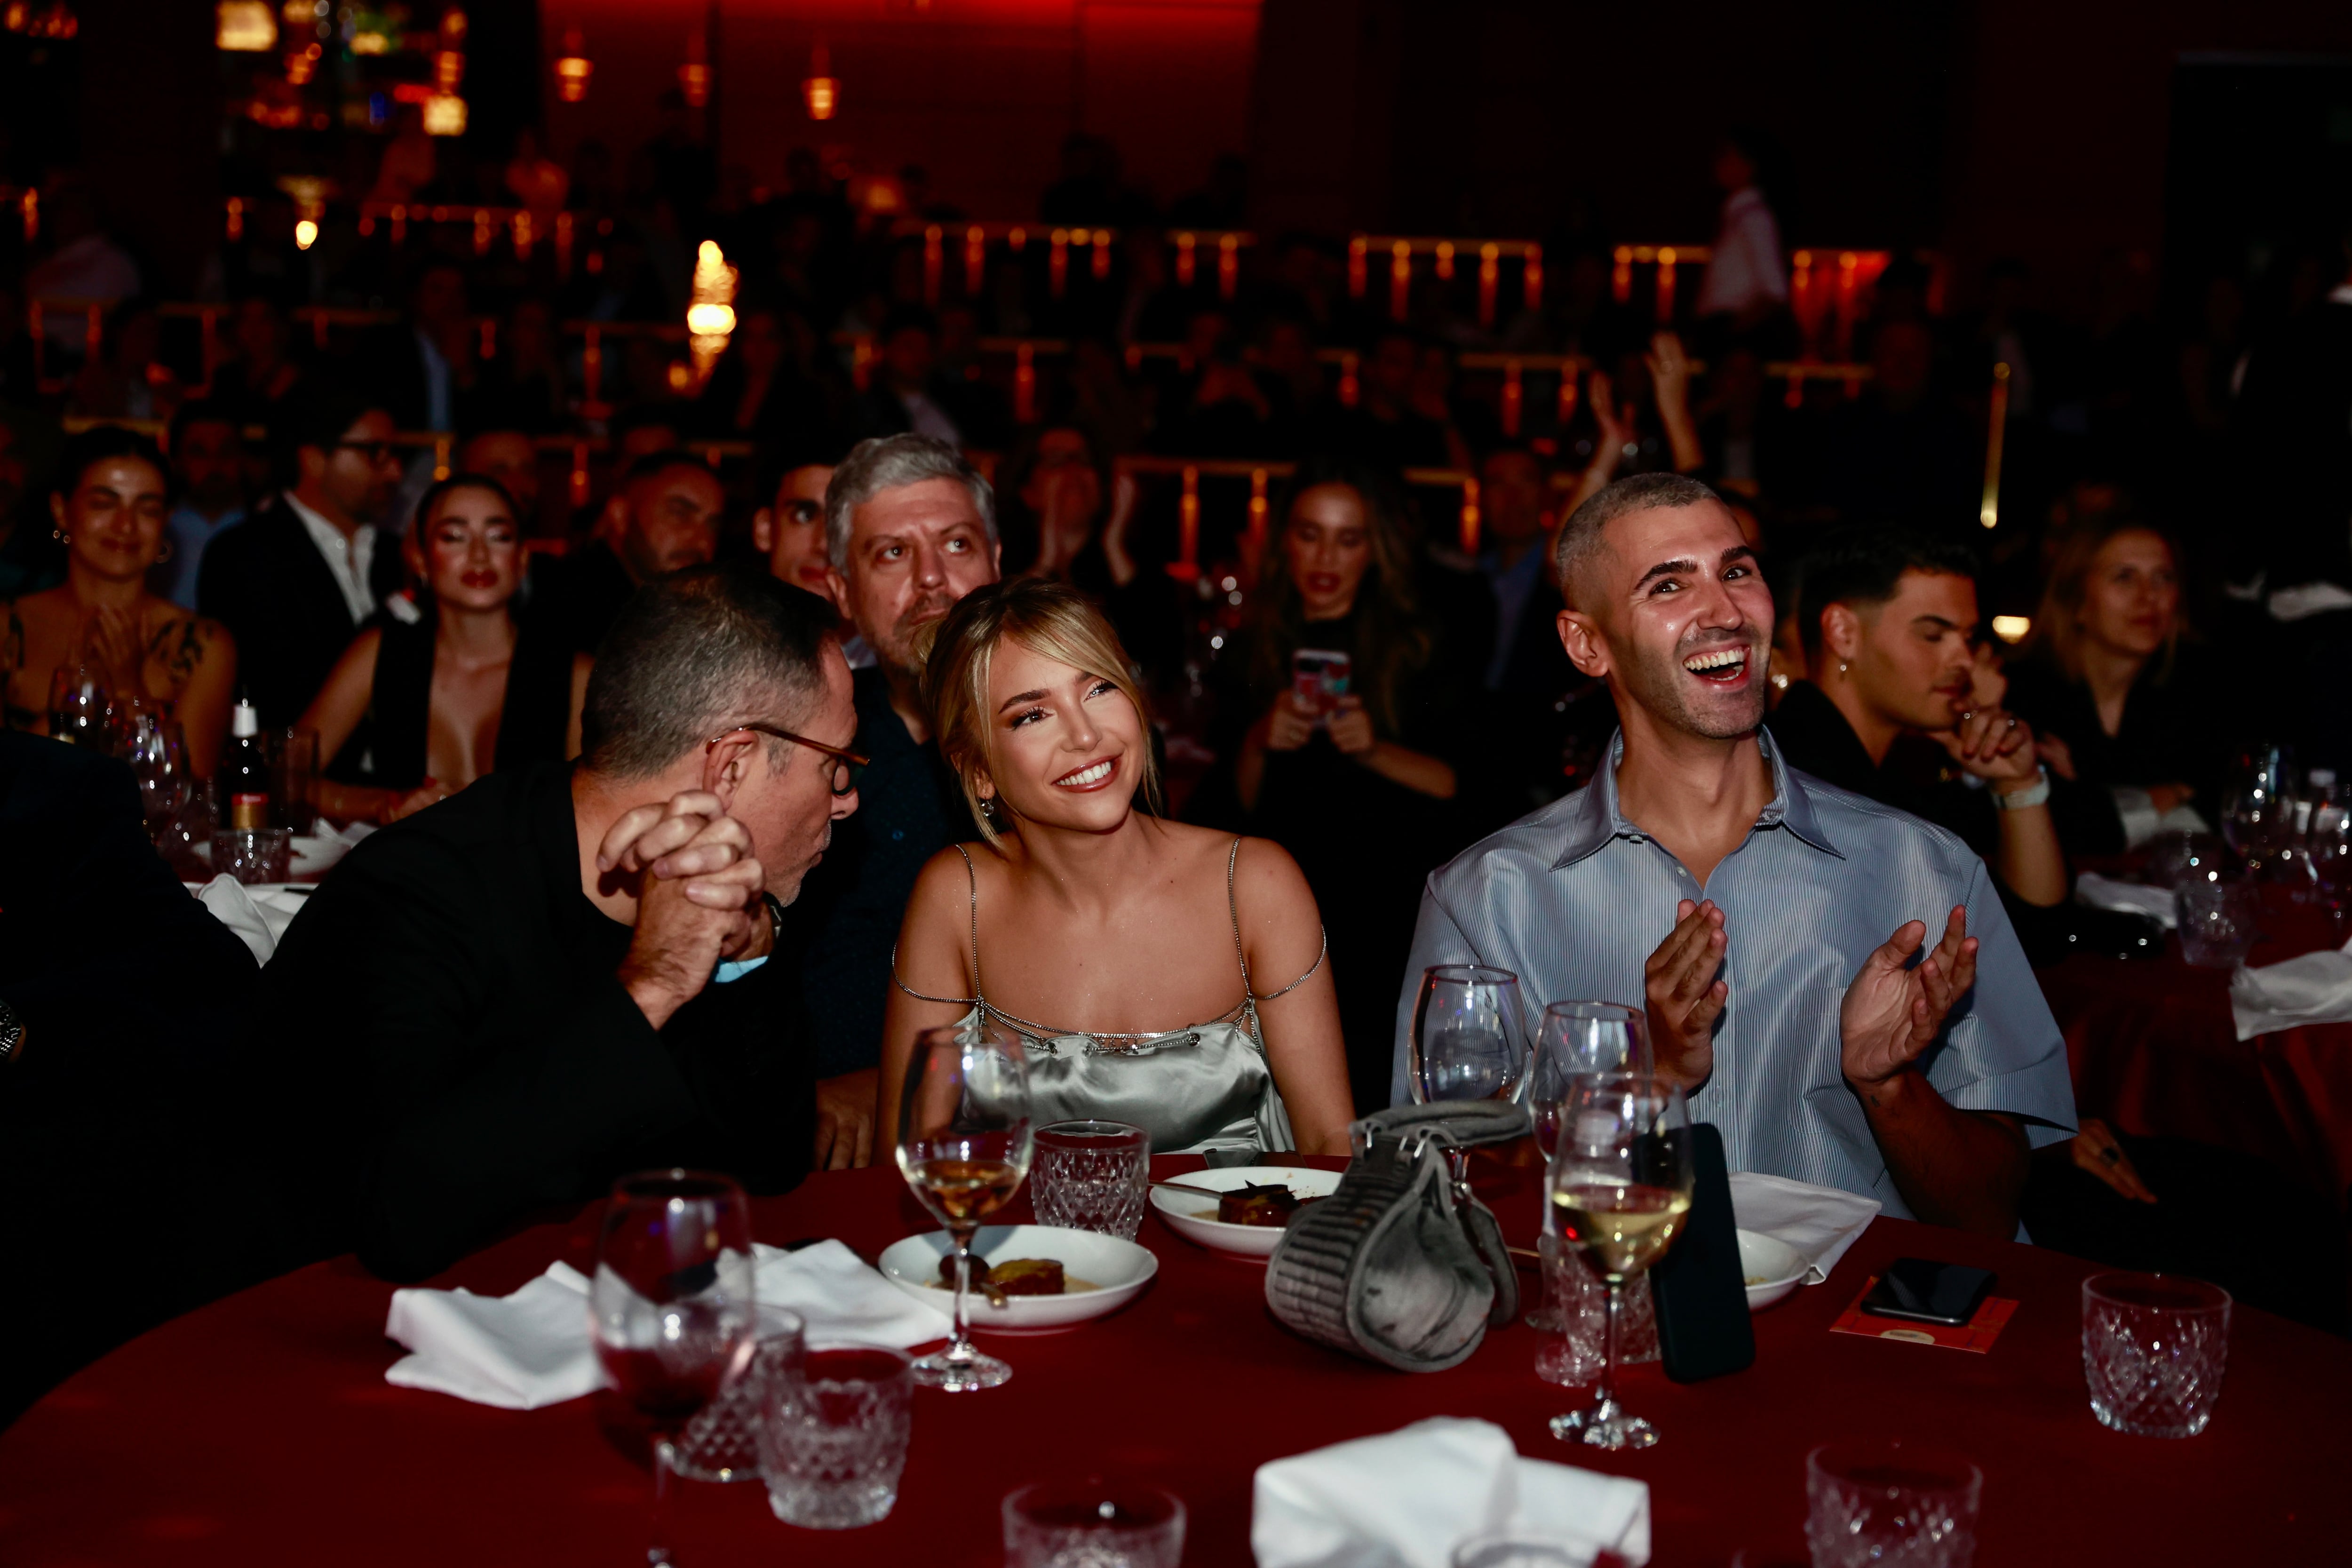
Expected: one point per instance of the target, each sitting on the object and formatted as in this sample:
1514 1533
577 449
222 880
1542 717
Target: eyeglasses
848 767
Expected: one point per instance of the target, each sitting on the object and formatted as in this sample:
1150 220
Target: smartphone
1319 678
1928 1293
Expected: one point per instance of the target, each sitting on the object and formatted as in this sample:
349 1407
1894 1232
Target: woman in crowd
2117 702
1353 775
110 512
456 687
1131 932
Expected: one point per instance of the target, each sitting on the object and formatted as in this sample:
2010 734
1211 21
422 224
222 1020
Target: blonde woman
1181 971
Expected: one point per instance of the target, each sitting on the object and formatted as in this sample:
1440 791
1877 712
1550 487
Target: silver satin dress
1203 1087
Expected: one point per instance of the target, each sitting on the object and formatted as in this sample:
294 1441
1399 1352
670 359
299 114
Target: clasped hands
699 896
1892 1012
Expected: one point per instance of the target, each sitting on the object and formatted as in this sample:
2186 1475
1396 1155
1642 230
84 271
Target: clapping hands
1892 1013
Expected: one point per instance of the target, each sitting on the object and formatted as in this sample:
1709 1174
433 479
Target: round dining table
260 1429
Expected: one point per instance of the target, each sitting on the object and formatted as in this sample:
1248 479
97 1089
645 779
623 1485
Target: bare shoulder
944 885
1264 875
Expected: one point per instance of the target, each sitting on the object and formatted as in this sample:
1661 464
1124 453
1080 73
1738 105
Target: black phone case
1699 1287
1884 1302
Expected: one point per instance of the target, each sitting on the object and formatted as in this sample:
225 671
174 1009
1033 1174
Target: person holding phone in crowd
1353 773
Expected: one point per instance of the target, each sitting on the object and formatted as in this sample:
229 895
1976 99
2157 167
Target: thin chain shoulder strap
1233 905
978 998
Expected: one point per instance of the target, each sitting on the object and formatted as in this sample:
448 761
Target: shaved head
1583 537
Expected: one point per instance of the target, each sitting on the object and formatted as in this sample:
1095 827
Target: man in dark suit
424 367
129 995
562 974
293 582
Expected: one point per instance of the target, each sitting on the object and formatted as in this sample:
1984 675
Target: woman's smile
1094 775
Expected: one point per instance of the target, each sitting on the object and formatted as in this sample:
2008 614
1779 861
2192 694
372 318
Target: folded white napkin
839 1298
517 1352
1820 1223
2313 989
534 1347
258 915
2106 893
1407 1497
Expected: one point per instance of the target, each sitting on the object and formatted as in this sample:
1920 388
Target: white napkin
258 915
1406 1499
534 1347
2313 989
841 1299
2106 893
1820 1223
517 1352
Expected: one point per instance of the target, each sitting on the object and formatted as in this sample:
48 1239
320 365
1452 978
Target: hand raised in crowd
1682 995
1288 724
1994 745
699 901
2095 1149
1350 727
1892 1012
845 1121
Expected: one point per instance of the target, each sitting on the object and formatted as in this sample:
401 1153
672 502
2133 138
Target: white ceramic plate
1182 1210
1116 1270
1771 1267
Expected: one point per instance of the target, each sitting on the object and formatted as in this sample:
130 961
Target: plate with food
1770 1268
1039 1278
1241 1210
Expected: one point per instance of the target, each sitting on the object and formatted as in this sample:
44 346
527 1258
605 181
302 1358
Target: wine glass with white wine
1618 1187
964 1143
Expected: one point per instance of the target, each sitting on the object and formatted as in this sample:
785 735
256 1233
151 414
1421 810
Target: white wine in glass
964 1143
1619 1185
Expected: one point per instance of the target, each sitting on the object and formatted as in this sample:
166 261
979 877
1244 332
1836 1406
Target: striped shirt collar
1593 817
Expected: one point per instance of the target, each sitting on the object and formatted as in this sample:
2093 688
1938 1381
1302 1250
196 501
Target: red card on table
1977 1335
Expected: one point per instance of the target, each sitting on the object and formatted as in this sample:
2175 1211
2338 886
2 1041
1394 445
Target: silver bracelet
2026 799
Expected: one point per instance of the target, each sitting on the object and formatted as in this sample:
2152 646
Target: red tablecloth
2154 1052
260 1429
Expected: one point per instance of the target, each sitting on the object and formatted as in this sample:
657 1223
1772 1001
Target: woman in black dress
450 685
1359 787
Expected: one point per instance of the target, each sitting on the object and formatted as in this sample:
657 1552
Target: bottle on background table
245 772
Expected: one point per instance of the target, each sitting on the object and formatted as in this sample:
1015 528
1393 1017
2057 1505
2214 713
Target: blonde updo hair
1046 617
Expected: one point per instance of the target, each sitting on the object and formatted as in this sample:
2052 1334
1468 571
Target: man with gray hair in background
910 529
564 973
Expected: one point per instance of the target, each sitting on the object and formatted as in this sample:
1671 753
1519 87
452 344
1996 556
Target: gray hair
1580 541
692 654
888 463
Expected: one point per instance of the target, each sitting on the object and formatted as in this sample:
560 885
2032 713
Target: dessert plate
1185 1212
1104 1274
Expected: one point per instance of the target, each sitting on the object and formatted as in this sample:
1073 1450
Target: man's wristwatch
11 1032
2028 798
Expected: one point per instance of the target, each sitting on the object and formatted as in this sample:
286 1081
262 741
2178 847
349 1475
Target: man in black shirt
665 517
910 529
562 974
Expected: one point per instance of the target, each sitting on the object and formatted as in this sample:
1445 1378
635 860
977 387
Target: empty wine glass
1574 1037
1619 1186
1469 1040
2258 812
81 700
2329 844
671 1307
964 1146
151 744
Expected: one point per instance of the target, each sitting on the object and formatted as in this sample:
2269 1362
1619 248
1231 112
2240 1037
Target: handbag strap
1463 1122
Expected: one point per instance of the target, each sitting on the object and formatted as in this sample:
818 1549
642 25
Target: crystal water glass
1091 1175
1091 1523
833 1435
2218 922
2154 1347
253 855
1890 1505
722 1443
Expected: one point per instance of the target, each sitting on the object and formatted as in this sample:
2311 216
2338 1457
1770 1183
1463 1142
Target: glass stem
1609 1346
960 1349
657 1547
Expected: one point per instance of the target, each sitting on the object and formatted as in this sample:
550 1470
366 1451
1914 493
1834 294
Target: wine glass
671 1307
964 1144
1619 1186
151 744
2258 812
2329 844
80 700
1469 1041
1577 1037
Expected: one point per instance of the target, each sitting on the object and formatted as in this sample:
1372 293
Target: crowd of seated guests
1333 699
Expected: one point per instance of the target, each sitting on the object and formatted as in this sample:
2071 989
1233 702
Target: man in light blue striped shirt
1768 922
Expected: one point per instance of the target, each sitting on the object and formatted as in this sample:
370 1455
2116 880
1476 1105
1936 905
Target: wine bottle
245 772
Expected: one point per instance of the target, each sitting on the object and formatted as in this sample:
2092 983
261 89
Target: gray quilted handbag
1401 1265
